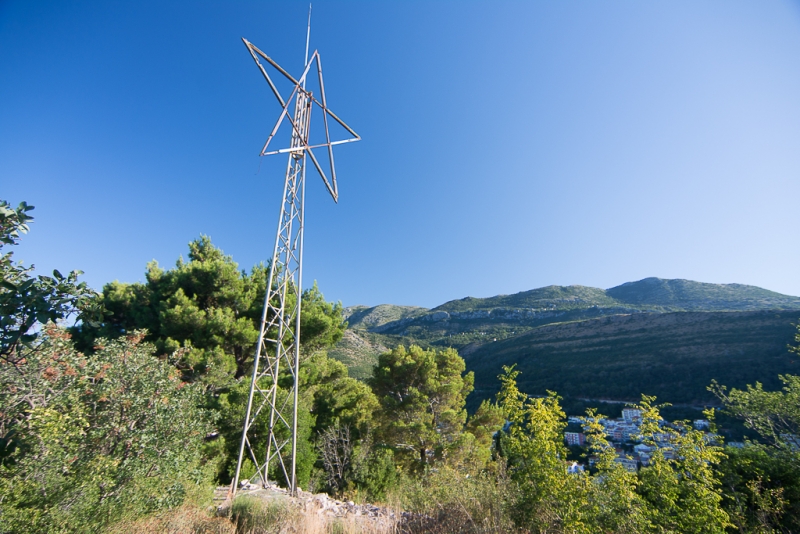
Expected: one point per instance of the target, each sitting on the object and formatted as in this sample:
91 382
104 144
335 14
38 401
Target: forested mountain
663 337
686 295
649 294
561 297
674 356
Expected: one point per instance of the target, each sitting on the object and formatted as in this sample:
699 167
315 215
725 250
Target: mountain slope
686 295
671 355
462 323
363 317
556 297
654 336
649 294
358 352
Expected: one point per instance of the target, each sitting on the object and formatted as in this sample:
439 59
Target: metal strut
270 422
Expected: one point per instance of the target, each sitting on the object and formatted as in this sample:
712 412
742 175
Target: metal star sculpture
304 98
269 434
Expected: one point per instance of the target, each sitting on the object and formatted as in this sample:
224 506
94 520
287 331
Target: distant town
623 433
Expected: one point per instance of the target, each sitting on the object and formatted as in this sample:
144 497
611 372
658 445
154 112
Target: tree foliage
677 492
422 395
761 489
533 446
26 301
88 440
680 484
614 503
762 480
206 313
775 415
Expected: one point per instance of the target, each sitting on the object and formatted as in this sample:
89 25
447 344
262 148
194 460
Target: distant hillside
363 317
686 295
650 294
672 355
358 353
655 336
460 323
359 348
550 297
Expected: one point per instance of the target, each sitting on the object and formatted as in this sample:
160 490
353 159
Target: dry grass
253 515
250 516
187 519
443 503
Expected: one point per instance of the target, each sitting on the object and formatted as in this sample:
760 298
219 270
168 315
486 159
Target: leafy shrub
374 473
87 441
449 500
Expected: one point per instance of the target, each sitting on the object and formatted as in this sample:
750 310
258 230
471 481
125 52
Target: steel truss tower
269 433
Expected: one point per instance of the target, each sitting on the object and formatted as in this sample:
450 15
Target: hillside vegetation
358 353
647 294
665 337
559 297
126 421
366 317
686 295
673 356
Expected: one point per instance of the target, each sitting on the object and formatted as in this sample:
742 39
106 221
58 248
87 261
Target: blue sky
506 145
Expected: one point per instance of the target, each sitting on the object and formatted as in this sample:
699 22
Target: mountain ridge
638 337
647 294
651 292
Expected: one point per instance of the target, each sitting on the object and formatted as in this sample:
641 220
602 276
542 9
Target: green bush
449 500
91 440
374 474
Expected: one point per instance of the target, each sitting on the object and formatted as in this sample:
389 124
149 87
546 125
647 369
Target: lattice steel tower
277 353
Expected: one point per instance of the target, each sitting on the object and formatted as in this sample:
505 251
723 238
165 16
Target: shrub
88 441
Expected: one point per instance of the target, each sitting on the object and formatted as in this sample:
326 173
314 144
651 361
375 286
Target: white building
575 468
574 438
631 415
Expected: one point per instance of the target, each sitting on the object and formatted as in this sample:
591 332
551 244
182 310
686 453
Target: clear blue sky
506 145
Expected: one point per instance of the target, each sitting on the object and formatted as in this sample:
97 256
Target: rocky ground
321 507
